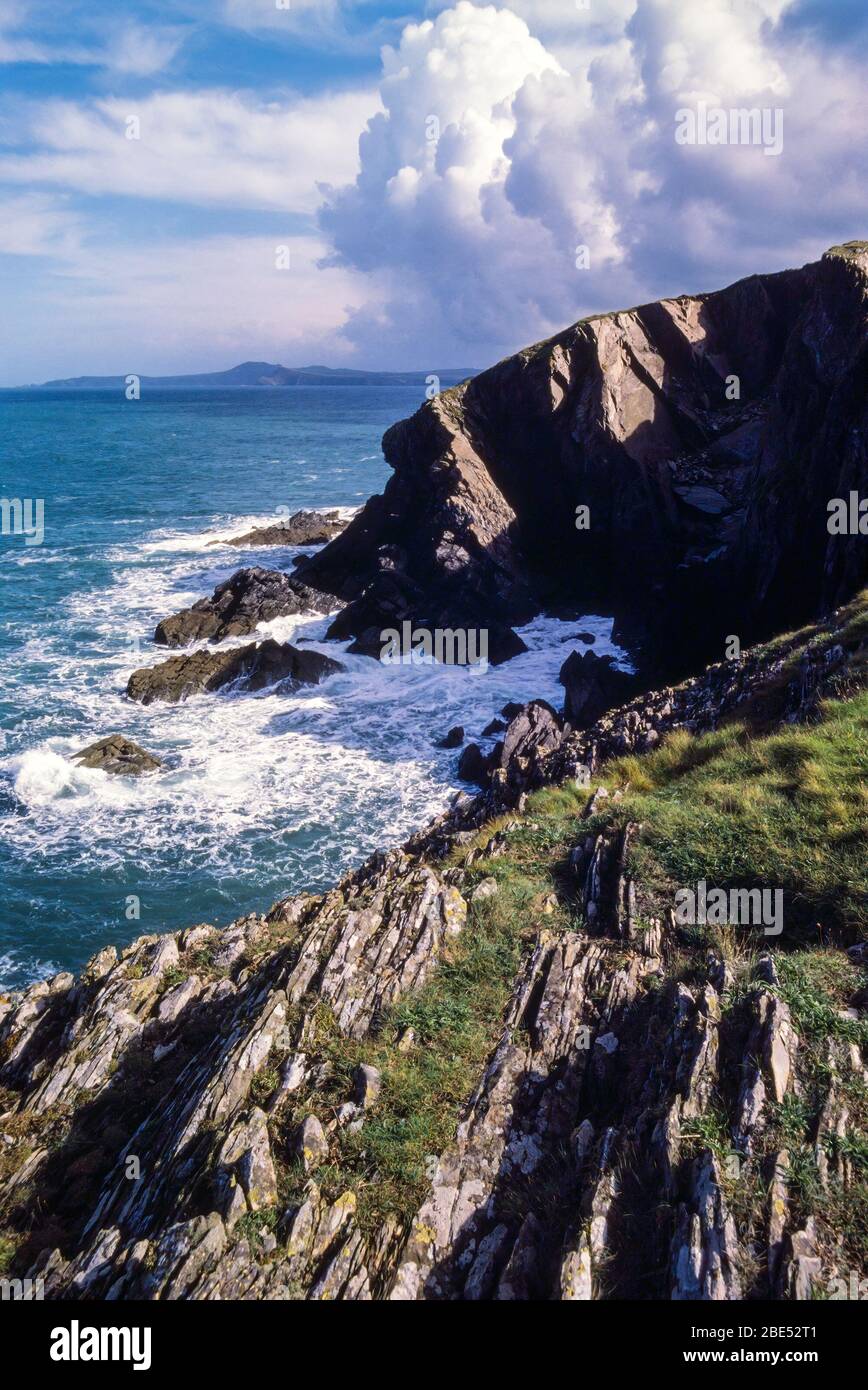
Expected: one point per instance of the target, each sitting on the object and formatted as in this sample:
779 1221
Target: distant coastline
262 374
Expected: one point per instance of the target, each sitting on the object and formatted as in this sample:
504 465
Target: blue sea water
260 795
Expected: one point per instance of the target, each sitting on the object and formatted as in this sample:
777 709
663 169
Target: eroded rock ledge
237 607
254 666
302 528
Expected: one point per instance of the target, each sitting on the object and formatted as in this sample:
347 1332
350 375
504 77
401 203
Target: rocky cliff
490 1065
704 434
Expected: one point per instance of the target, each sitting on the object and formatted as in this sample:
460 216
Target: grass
456 1019
788 810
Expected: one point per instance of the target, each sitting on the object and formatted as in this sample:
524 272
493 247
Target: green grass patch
456 1020
788 811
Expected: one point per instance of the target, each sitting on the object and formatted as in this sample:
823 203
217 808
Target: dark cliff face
705 435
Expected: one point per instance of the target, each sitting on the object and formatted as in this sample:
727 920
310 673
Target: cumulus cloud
544 148
503 149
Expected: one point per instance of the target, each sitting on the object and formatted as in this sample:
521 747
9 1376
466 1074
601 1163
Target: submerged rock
236 607
117 755
252 667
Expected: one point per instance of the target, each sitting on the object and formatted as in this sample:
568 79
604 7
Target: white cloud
210 147
36 224
125 46
546 148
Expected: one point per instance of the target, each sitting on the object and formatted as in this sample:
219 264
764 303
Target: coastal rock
252 667
117 755
706 515
474 765
593 685
237 607
453 739
302 528
530 736
368 1082
460 629
311 1144
216 1067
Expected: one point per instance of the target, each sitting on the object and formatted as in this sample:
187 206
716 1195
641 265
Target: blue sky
161 162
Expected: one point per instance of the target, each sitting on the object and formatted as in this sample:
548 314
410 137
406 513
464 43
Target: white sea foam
283 788
223 529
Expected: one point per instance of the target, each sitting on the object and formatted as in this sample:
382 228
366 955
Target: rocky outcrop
251 667
705 436
302 528
204 1016
593 684
117 755
239 605
392 600
781 683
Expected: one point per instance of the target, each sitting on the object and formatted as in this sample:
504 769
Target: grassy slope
784 809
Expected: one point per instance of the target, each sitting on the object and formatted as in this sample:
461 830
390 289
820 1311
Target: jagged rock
474 765
393 601
117 755
800 1265
368 1082
302 528
495 726
705 1246
176 1000
486 888
778 1212
237 607
311 1144
576 1284
293 1074
768 1065
593 685
197 936
252 667
245 1166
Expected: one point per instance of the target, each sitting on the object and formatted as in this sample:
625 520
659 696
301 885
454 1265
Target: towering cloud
513 182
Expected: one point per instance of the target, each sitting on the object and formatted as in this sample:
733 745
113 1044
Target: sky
187 184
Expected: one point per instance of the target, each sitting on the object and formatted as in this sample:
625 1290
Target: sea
260 795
